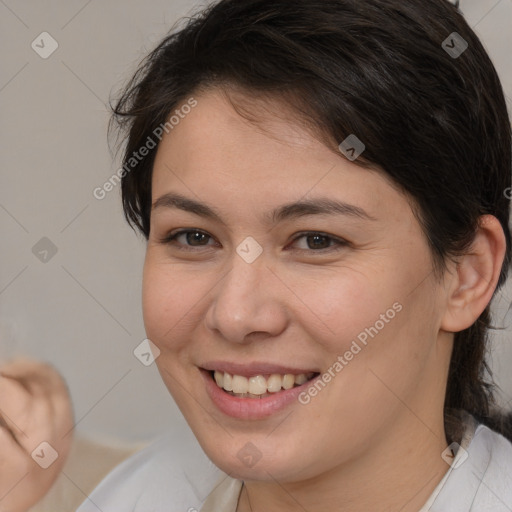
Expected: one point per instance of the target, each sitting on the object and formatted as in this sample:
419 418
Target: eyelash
339 243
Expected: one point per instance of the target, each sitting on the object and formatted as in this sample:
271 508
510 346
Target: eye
316 242
196 238
189 238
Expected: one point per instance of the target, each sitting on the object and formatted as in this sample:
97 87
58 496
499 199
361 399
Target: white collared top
174 475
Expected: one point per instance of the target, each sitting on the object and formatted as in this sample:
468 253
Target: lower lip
251 408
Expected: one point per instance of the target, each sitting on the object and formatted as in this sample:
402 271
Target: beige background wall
80 309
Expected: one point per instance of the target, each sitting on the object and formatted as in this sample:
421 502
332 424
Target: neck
401 477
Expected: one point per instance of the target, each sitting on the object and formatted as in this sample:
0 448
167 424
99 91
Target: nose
247 303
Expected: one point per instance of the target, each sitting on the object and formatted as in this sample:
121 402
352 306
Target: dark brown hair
435 122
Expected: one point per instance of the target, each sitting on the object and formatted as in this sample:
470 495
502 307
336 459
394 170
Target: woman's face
274 282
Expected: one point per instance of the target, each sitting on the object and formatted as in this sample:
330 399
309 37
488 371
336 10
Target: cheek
339 305
171 301
374 317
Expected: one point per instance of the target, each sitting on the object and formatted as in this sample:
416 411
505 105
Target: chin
248 457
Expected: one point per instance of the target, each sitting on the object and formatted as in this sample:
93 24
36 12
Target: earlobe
476 276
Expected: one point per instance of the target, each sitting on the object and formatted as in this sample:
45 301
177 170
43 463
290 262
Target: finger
12 454
36 406
32 375
22 481
15 408
37 378
46 386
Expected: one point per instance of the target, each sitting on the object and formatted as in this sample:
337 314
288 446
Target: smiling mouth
259 386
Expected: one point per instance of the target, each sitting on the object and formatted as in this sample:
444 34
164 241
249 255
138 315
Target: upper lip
253 368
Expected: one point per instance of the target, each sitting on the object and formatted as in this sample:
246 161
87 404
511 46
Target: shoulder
495 476
482 478
173 471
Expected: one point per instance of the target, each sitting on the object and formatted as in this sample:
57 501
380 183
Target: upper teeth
259 384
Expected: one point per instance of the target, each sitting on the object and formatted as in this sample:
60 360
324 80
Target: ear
476 276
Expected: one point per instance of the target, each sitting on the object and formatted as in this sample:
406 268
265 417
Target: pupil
316 237
195 236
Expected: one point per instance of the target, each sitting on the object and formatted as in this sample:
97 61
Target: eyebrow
316 206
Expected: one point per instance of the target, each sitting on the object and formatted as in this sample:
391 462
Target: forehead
214 151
